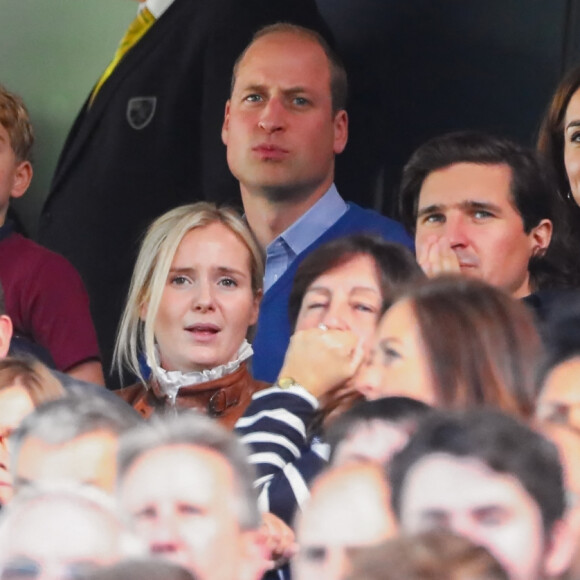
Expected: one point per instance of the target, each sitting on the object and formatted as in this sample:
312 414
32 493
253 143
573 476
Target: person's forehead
428 483
288 54
92 442
5 135
15 404
356 274
79 530
182 468
344 499
561 381
467 182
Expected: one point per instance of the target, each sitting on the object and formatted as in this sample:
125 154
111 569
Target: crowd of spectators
304 395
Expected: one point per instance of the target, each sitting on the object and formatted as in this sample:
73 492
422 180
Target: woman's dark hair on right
561 335
482 345
551 135
395 265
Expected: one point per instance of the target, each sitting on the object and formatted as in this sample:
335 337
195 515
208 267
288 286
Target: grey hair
135 335
63 420
192 428
82 497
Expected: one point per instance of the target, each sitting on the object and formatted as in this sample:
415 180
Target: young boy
45 297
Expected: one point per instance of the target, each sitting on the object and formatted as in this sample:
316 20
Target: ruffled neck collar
171 381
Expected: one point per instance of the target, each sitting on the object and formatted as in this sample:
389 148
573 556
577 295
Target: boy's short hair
15 119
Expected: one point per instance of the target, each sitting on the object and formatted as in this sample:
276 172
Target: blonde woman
194 294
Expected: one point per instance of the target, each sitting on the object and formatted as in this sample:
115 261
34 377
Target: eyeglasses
29 569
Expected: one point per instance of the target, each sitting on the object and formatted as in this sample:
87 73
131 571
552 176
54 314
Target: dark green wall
51 52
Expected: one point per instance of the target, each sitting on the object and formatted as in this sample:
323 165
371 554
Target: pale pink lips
270 152
203 332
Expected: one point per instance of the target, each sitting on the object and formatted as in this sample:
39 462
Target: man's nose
456 230
164 537
272 118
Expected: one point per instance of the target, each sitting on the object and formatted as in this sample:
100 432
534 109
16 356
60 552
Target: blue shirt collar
308 227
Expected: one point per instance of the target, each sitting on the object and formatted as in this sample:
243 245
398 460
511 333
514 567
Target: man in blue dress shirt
284 123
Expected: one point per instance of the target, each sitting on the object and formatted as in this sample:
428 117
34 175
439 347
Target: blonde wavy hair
136 335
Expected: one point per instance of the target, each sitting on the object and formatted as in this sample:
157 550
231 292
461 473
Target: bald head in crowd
186 486
62 531
349 507
74 439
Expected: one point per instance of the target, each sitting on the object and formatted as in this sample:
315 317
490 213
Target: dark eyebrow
353 290
254 88
475 205
468 204
435 207
575 123
295 90
257 88
385 342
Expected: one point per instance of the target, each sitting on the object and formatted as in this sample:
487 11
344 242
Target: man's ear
541 236
340 131
226 125
5 334
22 179
560 547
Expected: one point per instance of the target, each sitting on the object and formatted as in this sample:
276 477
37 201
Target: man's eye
434 218
492 517
482 214
253 98
300 101
147 513
188 509
314 553
21 569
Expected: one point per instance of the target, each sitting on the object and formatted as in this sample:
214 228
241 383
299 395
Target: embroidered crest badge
140 111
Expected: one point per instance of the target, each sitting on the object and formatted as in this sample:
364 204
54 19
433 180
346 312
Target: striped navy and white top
275 427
